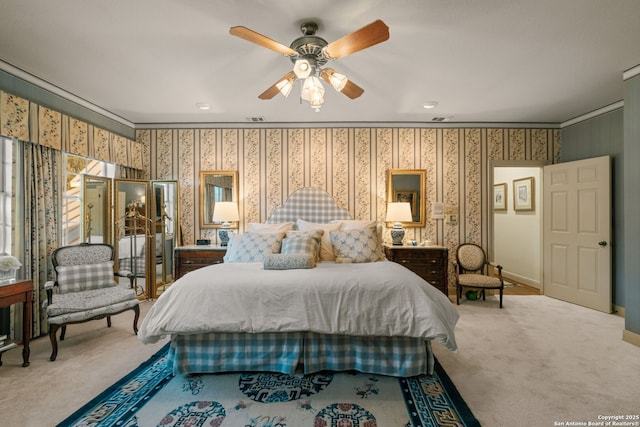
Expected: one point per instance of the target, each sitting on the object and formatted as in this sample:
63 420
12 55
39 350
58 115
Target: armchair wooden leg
54 343
108 321
501 290
458 292
63 332
136 309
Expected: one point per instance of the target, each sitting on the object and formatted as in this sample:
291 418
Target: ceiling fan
310 53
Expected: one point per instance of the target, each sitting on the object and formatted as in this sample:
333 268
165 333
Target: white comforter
371 299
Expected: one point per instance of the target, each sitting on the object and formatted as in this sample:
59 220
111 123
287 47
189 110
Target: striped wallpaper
349 163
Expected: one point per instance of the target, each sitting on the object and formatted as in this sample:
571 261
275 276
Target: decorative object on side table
225 212
9 265
398 212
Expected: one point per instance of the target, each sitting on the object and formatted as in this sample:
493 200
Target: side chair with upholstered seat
85 289
471 270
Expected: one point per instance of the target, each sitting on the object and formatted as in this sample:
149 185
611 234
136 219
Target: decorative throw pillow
326 247
357 245
258 227
84 277
288 261
306 246
252 247
313 234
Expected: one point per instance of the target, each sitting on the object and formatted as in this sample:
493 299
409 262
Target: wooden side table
21 291
192 257
428 262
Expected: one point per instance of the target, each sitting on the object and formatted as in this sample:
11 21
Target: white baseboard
631 337
508 276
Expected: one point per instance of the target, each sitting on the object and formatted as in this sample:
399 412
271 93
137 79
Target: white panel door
577 232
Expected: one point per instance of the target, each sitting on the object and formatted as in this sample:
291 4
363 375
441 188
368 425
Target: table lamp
398 212
225 212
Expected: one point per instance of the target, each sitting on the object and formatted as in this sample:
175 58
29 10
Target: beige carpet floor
536 362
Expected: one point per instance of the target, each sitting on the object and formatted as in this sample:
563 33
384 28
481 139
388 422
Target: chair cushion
82 277
479 281
471 257
86 302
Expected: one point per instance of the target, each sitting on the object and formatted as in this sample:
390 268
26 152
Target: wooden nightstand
429 262
192 257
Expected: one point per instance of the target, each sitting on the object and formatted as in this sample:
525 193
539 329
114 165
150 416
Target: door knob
602 243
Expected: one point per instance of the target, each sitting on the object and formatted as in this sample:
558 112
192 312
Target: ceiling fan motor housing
309 46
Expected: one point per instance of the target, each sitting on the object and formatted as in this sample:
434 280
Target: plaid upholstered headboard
310 204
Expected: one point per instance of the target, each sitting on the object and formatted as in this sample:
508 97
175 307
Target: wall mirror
166 218
409 185
96 209
216 186
134 237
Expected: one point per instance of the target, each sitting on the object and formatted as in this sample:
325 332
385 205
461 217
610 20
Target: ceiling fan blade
350 89
259 39
367 36
273 90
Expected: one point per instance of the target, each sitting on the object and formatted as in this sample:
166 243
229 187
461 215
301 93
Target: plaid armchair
85 290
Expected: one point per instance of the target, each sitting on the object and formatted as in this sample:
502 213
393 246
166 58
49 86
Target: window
6 180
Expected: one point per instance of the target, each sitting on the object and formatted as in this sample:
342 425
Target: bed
264 309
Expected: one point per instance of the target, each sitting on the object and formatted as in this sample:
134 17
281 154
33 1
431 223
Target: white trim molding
631 337
593 114
631 72
43 84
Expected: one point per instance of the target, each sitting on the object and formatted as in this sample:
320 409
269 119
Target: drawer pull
187 261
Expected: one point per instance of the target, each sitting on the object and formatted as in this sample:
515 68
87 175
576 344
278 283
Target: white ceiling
491 61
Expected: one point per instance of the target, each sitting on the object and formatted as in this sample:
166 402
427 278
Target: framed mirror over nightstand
409 185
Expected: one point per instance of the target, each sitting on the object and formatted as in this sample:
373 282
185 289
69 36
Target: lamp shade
225 212
399 212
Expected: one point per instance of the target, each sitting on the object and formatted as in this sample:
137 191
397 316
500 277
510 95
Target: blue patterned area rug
152 396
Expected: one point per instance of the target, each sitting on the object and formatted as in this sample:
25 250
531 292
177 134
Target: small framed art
523 194
500 197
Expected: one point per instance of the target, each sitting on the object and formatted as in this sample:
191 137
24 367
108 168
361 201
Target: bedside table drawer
189 258
430 263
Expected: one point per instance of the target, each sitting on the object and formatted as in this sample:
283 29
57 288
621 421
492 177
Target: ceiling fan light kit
310 53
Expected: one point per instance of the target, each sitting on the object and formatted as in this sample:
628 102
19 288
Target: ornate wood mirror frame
216 186
409 185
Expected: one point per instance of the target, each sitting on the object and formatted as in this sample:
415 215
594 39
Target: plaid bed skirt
284 351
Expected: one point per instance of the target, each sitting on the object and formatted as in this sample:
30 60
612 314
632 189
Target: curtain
42 173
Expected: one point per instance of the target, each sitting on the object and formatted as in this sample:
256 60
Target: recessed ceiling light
202 106
430 104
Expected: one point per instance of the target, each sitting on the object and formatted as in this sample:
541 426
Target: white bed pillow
354 224
357 245
259 227
252 247
326 247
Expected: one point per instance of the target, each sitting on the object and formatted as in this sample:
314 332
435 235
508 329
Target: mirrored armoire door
166 225
134 236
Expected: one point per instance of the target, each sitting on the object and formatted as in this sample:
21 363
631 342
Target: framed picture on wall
500 197
523 194
409 197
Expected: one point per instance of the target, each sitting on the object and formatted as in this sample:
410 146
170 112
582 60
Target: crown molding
43 84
